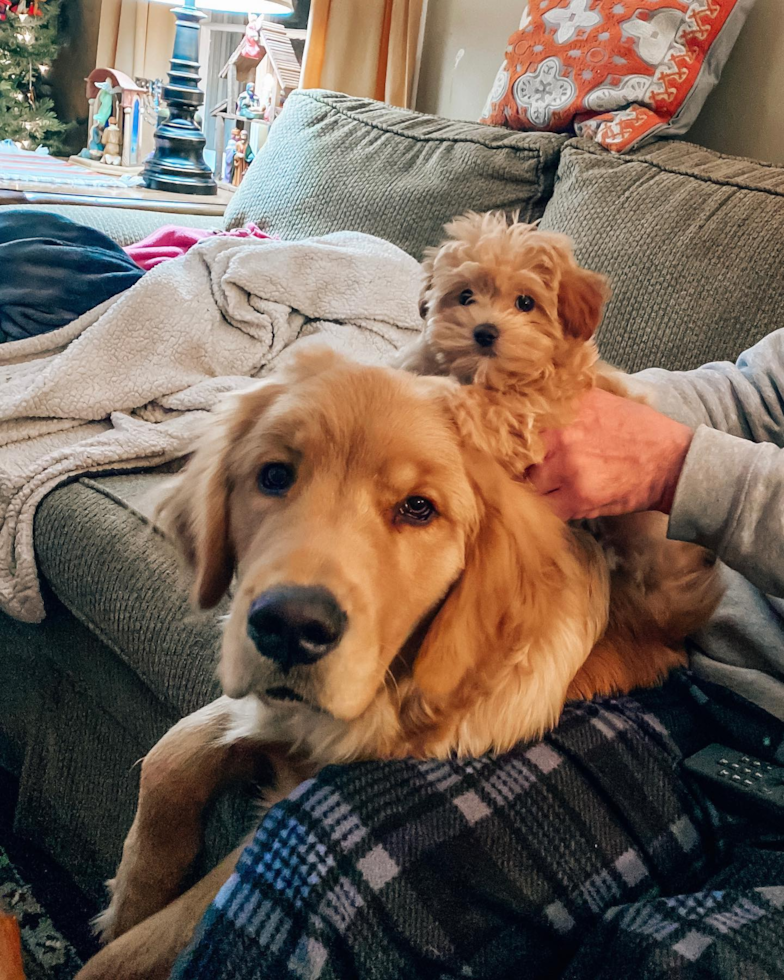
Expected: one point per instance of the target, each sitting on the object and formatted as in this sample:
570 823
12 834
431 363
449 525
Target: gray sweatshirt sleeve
730 496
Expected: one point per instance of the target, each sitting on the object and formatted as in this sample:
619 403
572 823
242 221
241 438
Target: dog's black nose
486 334
294 625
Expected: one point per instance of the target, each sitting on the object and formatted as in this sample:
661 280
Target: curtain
136 37
366 48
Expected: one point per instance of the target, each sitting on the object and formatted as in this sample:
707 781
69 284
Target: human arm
723 486
744 399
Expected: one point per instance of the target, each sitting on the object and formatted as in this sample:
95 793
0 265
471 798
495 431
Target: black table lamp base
177 165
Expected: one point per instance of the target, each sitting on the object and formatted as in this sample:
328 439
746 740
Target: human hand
617 457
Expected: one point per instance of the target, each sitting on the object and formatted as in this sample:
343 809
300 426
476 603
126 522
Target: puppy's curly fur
509 313
521 288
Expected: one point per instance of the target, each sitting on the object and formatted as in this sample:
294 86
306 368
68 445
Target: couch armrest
127 225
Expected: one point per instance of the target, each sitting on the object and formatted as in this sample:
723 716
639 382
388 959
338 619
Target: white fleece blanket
129 384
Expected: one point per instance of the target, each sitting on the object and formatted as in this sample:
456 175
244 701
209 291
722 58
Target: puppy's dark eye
525 303
417 511
275 479
466 298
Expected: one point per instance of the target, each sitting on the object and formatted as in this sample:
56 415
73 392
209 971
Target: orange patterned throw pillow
620 71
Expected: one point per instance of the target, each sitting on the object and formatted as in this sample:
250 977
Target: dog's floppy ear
194 513
504 598
194 509
581 298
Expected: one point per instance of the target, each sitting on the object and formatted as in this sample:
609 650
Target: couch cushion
113 570
334 162
693 242
125 225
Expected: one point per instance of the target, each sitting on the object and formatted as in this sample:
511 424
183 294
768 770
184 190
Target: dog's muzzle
295 625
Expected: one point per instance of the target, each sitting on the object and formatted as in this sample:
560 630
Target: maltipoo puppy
507 307
511 315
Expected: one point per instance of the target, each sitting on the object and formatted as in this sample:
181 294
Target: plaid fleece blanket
586 855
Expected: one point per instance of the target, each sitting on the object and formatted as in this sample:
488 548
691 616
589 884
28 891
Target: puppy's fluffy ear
194 510
581 298
506 593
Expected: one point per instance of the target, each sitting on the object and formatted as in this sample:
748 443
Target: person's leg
731 929
480 868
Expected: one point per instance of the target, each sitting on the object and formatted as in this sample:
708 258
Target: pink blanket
172 241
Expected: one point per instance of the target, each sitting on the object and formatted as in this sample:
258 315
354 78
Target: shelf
236 118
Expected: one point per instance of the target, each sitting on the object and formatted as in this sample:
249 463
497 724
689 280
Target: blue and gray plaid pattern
729 933
554 859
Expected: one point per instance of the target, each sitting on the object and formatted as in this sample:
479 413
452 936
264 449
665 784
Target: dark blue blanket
52 270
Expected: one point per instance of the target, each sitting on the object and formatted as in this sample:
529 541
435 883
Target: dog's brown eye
525 303
276 478
465 298
416 510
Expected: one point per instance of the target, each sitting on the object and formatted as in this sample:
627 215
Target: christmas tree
28 45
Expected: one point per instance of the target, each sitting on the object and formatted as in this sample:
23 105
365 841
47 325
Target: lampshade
275 8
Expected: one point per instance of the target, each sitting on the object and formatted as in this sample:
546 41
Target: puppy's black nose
295 625
486 334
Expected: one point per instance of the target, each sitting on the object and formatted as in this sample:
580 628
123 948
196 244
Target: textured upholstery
125 225
120 578
24 673
693 242
334 162
119 659
90 719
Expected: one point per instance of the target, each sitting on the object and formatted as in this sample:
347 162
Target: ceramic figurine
112 140
95 147
248 104
250 43
228 160
105 102
243 158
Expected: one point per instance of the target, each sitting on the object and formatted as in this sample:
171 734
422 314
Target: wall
465 41
75 60
745 112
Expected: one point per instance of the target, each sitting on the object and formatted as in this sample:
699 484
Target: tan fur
540 365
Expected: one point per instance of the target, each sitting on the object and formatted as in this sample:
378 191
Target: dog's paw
128 906
105 923
103 926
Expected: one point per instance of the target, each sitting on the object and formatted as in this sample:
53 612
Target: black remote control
741 780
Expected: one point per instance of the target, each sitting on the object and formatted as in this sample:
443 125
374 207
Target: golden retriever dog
395 593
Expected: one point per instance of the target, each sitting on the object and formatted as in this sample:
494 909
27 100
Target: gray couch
693 243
